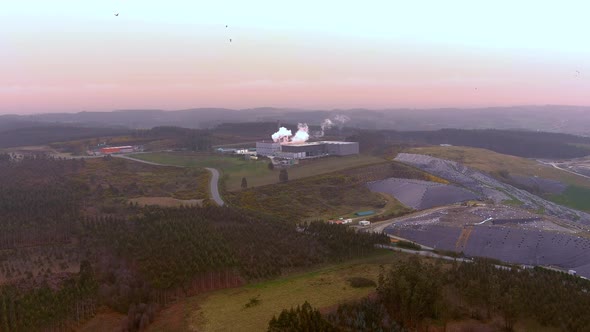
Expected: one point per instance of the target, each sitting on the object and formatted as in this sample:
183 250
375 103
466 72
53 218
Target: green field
225 310
574 196
256 172
318 197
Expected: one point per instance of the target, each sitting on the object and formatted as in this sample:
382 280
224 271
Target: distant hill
41 135
525 144
550 118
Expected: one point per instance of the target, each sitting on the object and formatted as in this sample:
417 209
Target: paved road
427 254
143 161
563 169
379 226
214 184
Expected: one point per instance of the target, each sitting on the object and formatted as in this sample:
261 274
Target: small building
364 223
364 213
117 149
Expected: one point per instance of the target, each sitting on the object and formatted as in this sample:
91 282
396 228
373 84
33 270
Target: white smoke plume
285 136
302 134
282 136
341 119
326 124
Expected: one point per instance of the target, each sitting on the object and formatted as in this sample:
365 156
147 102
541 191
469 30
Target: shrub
360 282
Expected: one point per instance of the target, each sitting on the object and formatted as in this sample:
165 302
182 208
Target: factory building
323 148
307 149
267 148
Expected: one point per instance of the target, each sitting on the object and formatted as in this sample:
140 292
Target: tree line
525 144
414 295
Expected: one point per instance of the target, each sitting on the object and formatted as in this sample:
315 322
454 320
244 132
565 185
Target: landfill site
485 187
508 234
471 215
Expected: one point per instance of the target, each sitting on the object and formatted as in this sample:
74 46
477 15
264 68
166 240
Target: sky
76 55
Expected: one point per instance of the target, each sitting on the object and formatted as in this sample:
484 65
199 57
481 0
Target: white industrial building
267 148
307 149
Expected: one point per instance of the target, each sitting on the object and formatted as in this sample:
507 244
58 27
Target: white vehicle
364 223
347 221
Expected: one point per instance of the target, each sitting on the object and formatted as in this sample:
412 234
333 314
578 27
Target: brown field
133 179
105 320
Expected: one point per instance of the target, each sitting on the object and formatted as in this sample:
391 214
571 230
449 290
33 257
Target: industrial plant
285 145
306 149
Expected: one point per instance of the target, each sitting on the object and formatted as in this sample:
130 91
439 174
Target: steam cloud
339 119
285 136
282 136
302 134
342 119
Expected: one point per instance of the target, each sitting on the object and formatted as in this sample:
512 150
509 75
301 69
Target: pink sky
102 65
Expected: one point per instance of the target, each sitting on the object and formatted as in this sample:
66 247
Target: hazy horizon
309 109
68 56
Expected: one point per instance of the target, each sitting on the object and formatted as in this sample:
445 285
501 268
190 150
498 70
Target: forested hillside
526 144
62 256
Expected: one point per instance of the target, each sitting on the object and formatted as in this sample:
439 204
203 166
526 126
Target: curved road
563 169
213 185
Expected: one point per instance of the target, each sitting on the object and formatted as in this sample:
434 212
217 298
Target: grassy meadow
226 310
256 172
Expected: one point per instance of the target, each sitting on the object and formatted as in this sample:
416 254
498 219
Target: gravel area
421 194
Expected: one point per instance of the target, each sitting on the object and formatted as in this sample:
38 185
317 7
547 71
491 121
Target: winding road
563 169
213 185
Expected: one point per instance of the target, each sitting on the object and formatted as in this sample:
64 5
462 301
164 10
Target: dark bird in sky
230 40
226 26
117 14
